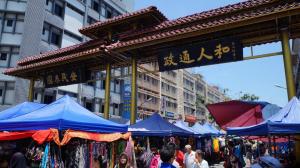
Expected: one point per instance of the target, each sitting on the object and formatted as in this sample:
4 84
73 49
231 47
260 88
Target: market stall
285 122
67 134
155 125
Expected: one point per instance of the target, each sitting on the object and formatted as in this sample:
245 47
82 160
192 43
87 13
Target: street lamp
281 87
141 105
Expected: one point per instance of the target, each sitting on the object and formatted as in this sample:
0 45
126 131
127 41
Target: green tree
199 100
249 97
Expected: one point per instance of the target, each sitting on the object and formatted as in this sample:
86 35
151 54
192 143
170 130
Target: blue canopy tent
182 125
157 126
19 110
63 114
212 129
270 110
200 129
286 121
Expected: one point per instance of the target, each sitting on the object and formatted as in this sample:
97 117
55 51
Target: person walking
199 161
167 156
123 161
189 157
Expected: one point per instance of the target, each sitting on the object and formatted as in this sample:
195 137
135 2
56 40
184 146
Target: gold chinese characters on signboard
212 52
69 76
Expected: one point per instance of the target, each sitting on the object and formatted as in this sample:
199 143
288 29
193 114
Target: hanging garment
216 147
45 157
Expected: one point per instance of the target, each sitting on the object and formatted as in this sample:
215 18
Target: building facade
184 96
30 27
149 90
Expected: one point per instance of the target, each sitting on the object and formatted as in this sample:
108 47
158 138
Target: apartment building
189 96
169 95
30 27
148 101
201 95
184 95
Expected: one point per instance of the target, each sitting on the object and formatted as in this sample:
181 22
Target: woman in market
123 161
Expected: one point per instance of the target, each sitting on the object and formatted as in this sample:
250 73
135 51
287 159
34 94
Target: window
35 96
71 35
58 8
55 37
7 93
55 7
49 5
95 5
116 106
89 106
13 23
8 56
9 23
3 56
90 20
51 34
107 11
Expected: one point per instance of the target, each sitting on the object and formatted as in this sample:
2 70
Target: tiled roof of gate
49 54
230 14
149 10
206 24
208 14
182 20
55 60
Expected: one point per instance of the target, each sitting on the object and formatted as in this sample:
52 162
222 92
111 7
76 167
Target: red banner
42 136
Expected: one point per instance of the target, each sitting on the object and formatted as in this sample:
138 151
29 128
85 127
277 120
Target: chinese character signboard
198 54
66 76
126 99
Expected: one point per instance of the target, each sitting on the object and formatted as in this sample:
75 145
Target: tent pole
269 145
274 144
289 144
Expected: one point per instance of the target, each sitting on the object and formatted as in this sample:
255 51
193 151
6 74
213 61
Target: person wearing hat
189 157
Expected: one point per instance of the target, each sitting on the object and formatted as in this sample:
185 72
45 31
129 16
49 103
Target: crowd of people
170 156
236 153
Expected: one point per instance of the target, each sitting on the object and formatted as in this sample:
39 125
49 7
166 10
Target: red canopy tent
236 113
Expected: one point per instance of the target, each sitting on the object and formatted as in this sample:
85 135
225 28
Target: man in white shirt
199 162
189 157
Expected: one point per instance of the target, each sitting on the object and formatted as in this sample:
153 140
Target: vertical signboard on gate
126 99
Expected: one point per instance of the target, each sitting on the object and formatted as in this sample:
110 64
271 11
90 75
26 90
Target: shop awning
63 114
19 110
157 126
285 122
